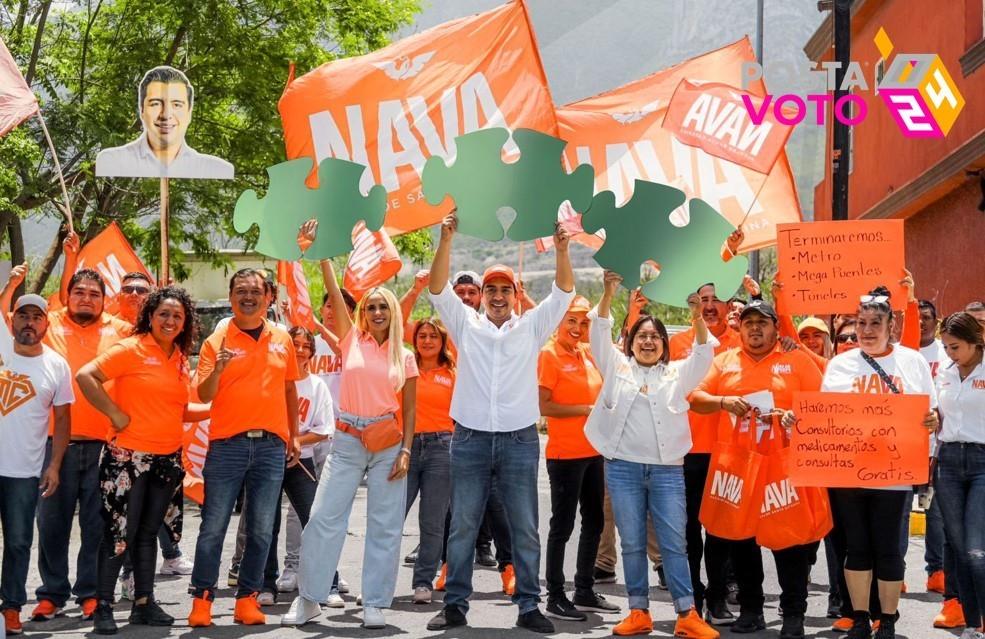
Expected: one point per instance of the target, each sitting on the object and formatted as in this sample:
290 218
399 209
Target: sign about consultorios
165 101
917 89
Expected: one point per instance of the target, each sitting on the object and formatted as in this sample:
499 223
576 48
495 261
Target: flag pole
163 275
58 168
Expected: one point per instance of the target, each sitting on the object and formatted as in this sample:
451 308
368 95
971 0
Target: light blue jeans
636 489
324 536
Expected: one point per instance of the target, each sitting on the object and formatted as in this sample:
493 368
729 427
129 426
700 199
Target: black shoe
411 557
748 623
535 622
718 614
793 627
594 602
484 557
150 614
449 617
661 580
561 608
102 619
887 628
834 607
861 629
732 593
604 576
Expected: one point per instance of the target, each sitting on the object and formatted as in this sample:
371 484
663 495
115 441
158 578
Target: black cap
761 307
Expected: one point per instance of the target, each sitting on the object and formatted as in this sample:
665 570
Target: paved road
491 614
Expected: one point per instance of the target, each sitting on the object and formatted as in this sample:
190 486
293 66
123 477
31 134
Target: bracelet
404 450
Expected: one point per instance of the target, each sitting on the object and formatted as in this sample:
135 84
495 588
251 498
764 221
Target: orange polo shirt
251 394
434 389
573 378
79 345
152 389
704 428
734 372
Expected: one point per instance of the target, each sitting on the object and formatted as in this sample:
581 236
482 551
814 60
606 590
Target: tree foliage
84 58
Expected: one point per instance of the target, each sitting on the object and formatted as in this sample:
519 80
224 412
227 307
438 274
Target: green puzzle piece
641 230
337 204
534 186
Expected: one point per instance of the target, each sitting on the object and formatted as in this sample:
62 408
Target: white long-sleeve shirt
962 404
496 384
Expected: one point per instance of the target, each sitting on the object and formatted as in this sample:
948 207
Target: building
937 185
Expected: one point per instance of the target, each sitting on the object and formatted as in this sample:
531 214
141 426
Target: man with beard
760 364
79 332
39 384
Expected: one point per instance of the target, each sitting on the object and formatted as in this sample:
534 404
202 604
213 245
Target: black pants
793 569
714 549
147 504
870 521
300 490
494 528
574 483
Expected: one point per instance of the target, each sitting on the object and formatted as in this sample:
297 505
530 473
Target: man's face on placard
165 113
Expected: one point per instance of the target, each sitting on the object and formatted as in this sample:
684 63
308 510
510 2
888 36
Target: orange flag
17 101
291 276
374 260
713 116
395 107
620 134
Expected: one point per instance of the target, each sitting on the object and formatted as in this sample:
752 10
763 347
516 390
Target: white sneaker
266 598
335 600
288 581
373 618
971 633
359 599
422 595
301 612
126 587
177 566
343 586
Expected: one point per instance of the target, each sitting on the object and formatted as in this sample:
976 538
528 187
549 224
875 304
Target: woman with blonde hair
374 433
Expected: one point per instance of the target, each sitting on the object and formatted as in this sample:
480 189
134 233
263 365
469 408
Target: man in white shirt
495 407
34 383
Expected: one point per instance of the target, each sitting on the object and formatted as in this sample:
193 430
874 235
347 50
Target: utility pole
754 256
842 142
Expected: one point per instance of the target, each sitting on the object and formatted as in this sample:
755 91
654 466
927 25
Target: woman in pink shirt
375 430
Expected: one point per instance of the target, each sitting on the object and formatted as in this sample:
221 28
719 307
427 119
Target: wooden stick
307 472
58 168
163 272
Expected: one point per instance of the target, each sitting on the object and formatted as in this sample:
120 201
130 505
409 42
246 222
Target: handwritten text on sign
826 266
850 440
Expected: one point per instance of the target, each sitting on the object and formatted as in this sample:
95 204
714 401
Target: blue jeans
636 489
509 461
960 490
78 484
429 475
231 464
933 554
18 499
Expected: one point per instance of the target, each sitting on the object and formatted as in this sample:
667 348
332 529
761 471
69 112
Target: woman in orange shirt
430 461
140 469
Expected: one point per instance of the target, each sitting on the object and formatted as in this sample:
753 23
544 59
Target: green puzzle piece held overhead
640 231
534 186
337 204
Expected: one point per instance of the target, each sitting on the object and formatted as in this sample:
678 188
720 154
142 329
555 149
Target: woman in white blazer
639 424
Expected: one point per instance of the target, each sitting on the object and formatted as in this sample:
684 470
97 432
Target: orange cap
499 272
580 304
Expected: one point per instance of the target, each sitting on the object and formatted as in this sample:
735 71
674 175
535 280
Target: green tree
84 59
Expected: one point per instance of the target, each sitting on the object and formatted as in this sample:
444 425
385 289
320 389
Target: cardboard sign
826 266
853 440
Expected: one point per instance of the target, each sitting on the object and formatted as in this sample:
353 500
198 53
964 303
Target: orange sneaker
637 623
248 611
951 616
843 625
693 626
935 582
12 621
509 580
201 614
44 611
88 607
442 578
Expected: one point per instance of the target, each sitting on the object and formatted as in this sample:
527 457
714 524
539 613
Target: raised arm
17 275
564 275
70 247
343 323
441 264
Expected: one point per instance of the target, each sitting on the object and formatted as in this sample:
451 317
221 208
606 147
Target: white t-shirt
314 411
327 366
29 388
935 356
962 404
850 373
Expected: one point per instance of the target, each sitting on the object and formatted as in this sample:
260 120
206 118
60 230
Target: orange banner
290 275
194 449
374 260
826 266
17 101
713 117
620 134
395 107
859 440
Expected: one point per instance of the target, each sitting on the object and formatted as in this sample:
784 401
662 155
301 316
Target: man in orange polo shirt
78 332
759 365
247 370
704 428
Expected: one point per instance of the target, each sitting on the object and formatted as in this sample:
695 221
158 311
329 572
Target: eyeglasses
134 290
647 337
874 299
847 337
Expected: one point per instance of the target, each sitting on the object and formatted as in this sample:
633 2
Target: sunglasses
847 337
134 290
874 299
